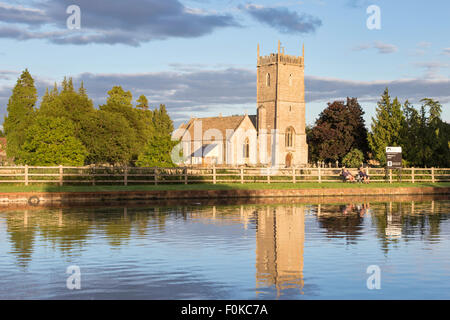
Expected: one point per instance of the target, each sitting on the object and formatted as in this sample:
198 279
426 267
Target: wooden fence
62 175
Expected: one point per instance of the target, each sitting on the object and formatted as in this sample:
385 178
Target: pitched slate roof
219 123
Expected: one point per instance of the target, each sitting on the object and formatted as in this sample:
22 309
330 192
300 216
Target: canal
349 248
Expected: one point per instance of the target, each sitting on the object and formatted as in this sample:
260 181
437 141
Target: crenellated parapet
280 57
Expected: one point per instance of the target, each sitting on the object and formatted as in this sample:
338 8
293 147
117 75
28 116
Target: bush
353 159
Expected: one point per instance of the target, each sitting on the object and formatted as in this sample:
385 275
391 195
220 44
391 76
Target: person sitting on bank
347 175
364 176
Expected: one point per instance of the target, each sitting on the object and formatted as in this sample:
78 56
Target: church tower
280 97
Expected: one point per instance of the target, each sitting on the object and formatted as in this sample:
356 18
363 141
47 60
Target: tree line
340 134
67 129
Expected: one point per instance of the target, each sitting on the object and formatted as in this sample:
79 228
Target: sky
198 57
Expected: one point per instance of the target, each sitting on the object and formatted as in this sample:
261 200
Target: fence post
319 174
432 175
214 174
242 175
26 174
412 175
185 176
390 175
125 176
156 175
60 175
293 175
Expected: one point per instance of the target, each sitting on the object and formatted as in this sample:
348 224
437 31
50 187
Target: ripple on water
285 251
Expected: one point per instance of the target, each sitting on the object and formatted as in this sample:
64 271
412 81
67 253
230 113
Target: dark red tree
339 129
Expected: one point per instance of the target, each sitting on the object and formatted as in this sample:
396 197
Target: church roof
219 123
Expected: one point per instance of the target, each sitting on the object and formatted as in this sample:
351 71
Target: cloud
7 75
446 51
110 21
233 90
424 45
383 48
20 14
283 19
432 68
329 89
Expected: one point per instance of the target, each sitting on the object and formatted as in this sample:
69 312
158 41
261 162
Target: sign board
394 157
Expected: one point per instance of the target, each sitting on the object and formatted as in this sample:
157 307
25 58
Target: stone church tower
281 109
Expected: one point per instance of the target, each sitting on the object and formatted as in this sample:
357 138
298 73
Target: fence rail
62 175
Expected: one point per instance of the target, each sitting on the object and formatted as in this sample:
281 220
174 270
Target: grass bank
235 186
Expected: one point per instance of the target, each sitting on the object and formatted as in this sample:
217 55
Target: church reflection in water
280 237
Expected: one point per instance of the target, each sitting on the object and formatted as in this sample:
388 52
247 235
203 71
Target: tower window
290 80
289 137
268 79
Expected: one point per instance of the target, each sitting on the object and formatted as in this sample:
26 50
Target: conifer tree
161 121
142 103
20 114
386 127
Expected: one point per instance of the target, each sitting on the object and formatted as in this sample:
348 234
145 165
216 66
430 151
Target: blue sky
199 56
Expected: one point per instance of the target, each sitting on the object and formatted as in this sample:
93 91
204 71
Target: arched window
246 148
268 79
289 137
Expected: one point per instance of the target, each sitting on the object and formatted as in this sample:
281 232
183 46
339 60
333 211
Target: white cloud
383 48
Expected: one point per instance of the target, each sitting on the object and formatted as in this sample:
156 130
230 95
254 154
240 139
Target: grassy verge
249 186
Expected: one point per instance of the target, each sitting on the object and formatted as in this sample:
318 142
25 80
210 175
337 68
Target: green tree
425 136
161 121
387 127
142 103
51 141
353 159
20 114
157 152
107 138
119 102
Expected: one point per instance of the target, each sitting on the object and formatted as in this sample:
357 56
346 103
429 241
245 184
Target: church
274 137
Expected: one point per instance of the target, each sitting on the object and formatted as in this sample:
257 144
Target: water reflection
276 237
280 237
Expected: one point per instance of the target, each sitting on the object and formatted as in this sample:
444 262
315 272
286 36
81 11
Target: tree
339 129
386 127
119 102
51 141
353 159
157 152
425 137
107 138
161 121
142 103
20 114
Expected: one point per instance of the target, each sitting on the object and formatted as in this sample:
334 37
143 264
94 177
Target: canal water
350 249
